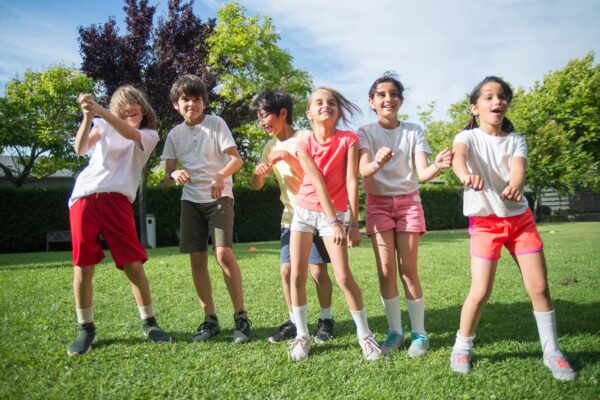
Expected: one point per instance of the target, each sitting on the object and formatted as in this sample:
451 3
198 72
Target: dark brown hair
507 126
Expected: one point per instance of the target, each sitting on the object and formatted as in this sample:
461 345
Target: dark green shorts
198 220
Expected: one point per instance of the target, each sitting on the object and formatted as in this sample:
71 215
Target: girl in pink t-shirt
329 158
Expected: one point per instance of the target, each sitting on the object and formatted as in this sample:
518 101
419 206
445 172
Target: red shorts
111 215
518 233
403 213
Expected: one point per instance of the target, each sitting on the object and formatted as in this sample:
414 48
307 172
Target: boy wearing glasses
273 109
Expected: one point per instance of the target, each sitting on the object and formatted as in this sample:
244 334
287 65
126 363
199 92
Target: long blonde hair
128 95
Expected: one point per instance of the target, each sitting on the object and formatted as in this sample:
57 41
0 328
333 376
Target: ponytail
507 126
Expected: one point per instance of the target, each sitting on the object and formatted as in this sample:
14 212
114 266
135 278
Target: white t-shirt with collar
398 176
200 150
489 157
116 163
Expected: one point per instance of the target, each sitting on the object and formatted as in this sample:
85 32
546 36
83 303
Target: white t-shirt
116 163
200 150
489 157
398 176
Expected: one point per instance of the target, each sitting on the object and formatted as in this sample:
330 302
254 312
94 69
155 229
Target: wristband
335 222
353 226
171 174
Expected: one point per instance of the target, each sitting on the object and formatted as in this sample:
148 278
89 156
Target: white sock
546 324
391 307
325 313
291 316
85 315
416 312
146 311
301 321
362 326
463 343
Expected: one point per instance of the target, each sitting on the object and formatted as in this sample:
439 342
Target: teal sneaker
84 340
392 343
419 344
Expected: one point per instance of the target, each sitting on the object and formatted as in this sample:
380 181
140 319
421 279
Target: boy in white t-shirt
274 111
207 153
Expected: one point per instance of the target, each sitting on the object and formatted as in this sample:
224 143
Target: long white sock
301 321
546 324
85 315
362 326
146 311
291 315
391 307
416 312
325 313
463 343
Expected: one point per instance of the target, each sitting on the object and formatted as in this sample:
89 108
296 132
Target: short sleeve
463 137
521 148
302 146
351 138
149 139
421 144
363 139
169 148
225 138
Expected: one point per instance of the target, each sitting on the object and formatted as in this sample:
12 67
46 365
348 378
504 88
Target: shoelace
298 340
370 345
206 326
241 323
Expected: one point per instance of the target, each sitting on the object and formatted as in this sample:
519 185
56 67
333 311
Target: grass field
37 322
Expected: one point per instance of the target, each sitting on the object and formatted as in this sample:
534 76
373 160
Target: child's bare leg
384 248
139 283
343 275
232 276
83 288
482 281
323 284
83 291
299 254
535 278
286 276
407 244
201 278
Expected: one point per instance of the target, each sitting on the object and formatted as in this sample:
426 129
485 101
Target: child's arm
281 155
258 178
427 172
352 185
85 138
459 165
126 130
514 190
368 167
310 169
173 175
234 164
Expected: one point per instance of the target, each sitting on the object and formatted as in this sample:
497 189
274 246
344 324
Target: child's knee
225 257
479 296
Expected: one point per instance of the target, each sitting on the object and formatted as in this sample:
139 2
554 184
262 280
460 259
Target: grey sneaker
392 342
209 328
299 348
419 345
285 331
154 332
370 348
460 362
84 340
242 332
559 365
324 330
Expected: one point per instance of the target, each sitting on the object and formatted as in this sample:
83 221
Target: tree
38 117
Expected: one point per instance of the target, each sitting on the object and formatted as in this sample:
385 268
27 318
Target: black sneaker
241 333
285 331
209 328
84 341
154 332
324 330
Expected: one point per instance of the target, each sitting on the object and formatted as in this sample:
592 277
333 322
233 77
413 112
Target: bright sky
440 49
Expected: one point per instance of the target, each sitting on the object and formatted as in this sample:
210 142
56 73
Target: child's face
323 107
191 108
132 114
386 100
492 104
272 123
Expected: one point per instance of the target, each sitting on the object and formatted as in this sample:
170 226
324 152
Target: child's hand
181 177
511 193
85 102
263 169
472 181
384 155
278 155
339 235
354 237
443 160
217 185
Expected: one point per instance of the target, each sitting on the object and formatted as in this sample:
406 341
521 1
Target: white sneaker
370 348
299 348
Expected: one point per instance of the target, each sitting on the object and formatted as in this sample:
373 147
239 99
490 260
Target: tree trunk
142 206
536 205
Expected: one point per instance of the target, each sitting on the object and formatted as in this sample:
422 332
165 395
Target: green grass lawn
37 322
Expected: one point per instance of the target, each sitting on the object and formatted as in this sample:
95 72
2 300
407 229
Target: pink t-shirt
331 161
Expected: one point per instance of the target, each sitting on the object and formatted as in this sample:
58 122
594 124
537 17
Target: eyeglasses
261 118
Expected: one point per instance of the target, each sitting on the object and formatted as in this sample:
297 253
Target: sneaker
460 362
392 342
324 330
285 331
209 328
370 348
84 340
154 332
299 348
241 333
559 365
419 344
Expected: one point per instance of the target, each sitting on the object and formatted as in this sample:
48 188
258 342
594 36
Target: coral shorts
518 233
403 213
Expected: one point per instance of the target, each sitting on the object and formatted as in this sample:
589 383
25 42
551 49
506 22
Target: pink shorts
403 213
518 233
111 215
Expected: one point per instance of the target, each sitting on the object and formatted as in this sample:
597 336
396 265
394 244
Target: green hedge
28 214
